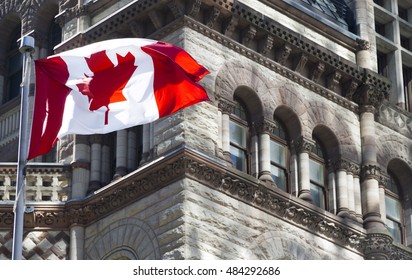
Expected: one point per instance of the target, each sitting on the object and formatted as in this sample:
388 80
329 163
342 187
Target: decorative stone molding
377 246
302 62
334 80
267 45
317 73
248 35
230 25
395 118
284 54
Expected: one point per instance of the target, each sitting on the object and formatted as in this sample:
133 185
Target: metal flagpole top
26 44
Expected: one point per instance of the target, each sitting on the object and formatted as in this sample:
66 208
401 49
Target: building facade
303 152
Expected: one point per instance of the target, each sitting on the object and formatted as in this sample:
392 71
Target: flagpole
26 48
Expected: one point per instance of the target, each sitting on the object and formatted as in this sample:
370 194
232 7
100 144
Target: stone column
365 19
226 108
121 153
303 148
357 194
76 242
370 172
254 150
147 144
408 218
80 167
106 171
131 149
95 162
294 171
351 191
342 188
383 183
265 175
80 184
333 208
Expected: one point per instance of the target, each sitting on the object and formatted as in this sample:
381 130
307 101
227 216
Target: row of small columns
354 192
91 167
343 178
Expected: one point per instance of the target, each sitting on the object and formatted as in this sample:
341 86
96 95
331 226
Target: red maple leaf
107 83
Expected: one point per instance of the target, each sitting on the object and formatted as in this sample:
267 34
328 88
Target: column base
374 222
305 195
266 178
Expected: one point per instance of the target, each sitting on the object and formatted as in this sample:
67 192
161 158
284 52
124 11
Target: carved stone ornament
304 145
363 45
226 106
370 172
377 246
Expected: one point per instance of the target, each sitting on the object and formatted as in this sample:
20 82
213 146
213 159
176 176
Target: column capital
373 91
342 164
80 164
264 126
367 109
363 45
304 145
348 166
370 172
226 106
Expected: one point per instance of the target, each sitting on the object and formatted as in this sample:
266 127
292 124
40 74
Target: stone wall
188 220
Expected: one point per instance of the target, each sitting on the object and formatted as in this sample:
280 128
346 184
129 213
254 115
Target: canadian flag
111 85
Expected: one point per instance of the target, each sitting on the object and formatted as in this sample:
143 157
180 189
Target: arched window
279 157
14 67
238 130
317 172
394 211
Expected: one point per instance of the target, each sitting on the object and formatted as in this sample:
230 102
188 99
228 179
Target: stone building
303 152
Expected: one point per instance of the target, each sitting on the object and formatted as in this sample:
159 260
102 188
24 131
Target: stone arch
328 140
235 74
45 15
289 120
124 239
250 101
403 173
284 245
319 114
391 147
